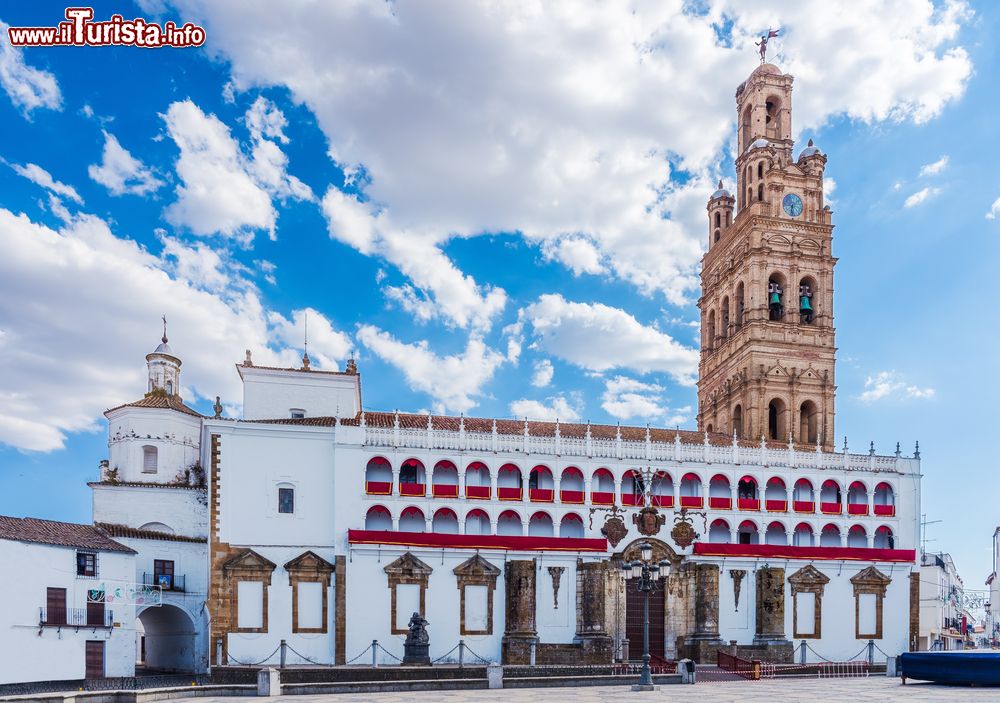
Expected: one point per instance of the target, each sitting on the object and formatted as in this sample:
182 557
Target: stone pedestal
771 608
268 682
520 632
416 654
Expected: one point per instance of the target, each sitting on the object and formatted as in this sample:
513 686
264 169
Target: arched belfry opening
808 422
776 420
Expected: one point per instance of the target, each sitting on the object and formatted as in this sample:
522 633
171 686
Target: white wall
271 393
176 436
184 510
31 653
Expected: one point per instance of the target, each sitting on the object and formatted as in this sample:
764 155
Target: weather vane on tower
771 34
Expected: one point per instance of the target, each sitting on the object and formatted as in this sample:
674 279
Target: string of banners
125 593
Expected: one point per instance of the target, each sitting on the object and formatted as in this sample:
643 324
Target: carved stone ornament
648 521
737 575
683 533
556 573
614 530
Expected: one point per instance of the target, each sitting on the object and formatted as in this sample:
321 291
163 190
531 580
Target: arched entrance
165 640
663 619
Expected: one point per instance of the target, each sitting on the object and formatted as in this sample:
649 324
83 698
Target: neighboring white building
942 618
992 621
49 628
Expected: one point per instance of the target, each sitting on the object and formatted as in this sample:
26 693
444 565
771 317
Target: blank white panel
805 613
250 604
407 603
866 614
310 605
476 615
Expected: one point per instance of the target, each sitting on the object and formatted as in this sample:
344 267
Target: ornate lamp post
647 576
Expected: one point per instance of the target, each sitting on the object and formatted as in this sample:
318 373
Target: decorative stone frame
247 565
407 569
808 579
309 567
869 580
475 571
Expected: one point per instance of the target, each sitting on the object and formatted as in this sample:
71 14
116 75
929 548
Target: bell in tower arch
805 303
774 304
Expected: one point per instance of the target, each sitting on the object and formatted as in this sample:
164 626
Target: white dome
164 348
758 144
810 150
721 193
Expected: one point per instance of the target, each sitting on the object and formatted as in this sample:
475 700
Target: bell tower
767 347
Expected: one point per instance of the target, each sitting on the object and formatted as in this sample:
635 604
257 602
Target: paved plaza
871 690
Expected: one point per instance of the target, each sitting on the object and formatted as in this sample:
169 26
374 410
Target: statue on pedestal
417 645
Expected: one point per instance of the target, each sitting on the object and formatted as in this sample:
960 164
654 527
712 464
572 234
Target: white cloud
58 377
452 381
935 167
543 373
561 121
888 384
37 174
326 344
994 210
920 196
223 190
598 338
628 399
27 87
120 172
558 408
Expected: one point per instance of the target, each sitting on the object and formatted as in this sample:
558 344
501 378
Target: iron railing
169 582
75 617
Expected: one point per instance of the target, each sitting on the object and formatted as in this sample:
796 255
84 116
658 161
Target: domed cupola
810 150
164 369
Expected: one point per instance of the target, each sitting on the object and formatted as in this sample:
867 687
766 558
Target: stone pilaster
592 633
678 609
770 607
519 612
704 640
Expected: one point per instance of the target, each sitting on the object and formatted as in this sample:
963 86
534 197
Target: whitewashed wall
175 435
183 510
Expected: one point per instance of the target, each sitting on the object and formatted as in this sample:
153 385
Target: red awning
514 543
779 551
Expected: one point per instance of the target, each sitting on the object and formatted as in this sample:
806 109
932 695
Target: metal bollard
802 652
284 654
871 652
374 654
461 653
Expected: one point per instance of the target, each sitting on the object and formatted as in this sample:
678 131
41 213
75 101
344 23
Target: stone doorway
634 603
668 604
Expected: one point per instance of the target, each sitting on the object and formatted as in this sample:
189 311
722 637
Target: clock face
792 205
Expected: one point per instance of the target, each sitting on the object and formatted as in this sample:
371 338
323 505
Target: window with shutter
149 460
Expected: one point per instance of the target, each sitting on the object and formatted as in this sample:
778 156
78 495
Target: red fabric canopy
778 551
515 543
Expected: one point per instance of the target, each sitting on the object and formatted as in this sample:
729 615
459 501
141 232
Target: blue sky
499 212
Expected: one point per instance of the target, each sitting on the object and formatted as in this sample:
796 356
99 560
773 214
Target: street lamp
647 575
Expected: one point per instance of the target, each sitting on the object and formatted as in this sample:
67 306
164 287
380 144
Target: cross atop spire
164 338
305 344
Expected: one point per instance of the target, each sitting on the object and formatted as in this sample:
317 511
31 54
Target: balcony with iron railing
168 582
75 617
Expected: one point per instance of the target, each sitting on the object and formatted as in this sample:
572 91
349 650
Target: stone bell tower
767 346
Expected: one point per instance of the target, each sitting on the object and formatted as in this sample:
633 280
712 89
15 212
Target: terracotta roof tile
136 533
62 534
159 400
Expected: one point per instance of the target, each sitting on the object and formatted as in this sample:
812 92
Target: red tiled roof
159 400
136 533
140 484
62 534
290 368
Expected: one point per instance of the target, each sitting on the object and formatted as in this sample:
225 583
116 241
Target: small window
149 460
170 387
86 564
163 573
286 500
297 413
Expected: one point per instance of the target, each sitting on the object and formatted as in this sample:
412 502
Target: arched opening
777 428
632 488
445 522
509 482
509 524
857 537
412 520
857 499
884 538
740 304
571 526
166 639
807 307
829 497
829 536
724 332
602 487
477 522
747 533
884 500
718 532
540 525
571 485
412 478
444 480
760 192
378 476
775 495
760 169
738 421
803 535
803 500
540 485
808 422
720 496
710 331
729 218
662 490
378 518
691 491
775 534
718 235
749 194
158 527
477 480
745 129
747 497
718 219
772 121
776 297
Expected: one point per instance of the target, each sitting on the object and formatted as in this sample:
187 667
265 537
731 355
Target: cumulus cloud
222 189
565 123
27 87
58 372
598 337
889 385
921 196
120 172
557 408
934 167
994 210
38 175
542 375
453 381
629 399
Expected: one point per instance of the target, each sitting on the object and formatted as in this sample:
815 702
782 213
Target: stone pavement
872 690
